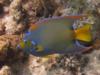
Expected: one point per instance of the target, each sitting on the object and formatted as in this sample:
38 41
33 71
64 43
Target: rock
5 70
15 9
8 45
97 44
92 67
35 67
32 66
39 9
2 28
32 8
3 50
11 26
5 2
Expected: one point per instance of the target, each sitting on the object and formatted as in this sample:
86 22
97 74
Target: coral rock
11 27
2 27
8 43
5 70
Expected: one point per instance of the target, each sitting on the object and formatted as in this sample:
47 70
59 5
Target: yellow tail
84 33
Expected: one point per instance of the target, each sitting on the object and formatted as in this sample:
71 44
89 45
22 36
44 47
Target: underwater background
16 18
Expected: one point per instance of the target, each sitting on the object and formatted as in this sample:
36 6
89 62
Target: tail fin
84 33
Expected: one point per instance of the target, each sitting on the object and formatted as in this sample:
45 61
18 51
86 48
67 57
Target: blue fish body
52 36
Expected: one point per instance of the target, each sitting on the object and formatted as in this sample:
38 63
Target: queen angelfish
56 35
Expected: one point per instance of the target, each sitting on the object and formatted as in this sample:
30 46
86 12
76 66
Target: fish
57 36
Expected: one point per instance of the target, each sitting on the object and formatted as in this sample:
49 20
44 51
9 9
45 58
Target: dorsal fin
76 17
35 26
